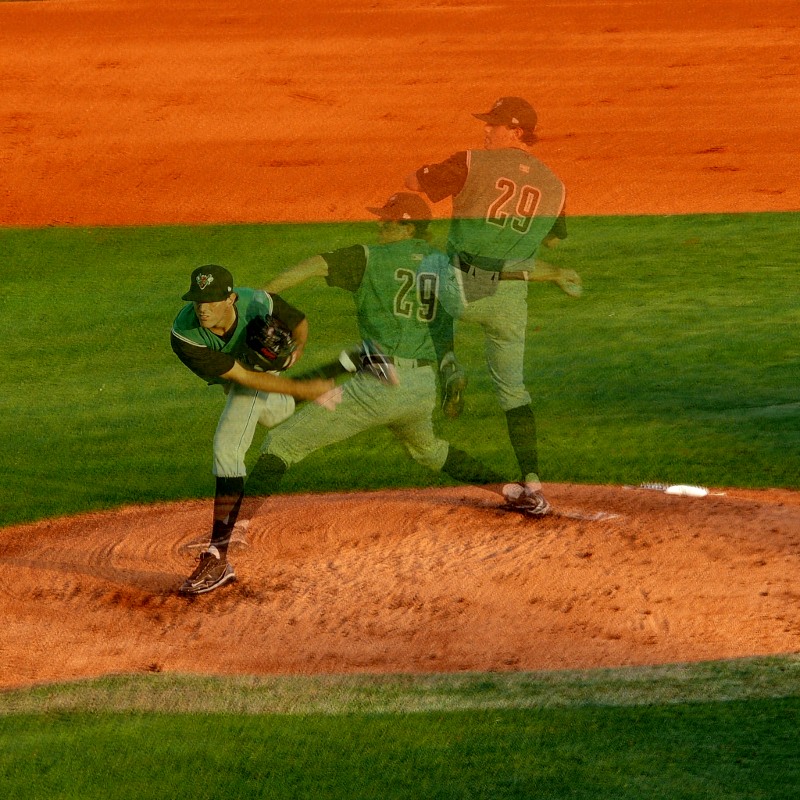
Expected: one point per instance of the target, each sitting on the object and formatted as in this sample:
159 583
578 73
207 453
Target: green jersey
210 356
396 301
509 202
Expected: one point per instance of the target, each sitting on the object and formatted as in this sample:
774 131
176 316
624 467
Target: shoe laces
205 561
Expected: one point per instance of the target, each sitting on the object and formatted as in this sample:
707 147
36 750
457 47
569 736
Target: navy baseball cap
511 111
209 284
403 207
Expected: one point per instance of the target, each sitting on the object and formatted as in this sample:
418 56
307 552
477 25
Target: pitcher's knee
510 398
432 457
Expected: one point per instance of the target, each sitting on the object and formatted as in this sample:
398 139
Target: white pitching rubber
686 491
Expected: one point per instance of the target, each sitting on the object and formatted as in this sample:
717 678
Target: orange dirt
137 111
408 581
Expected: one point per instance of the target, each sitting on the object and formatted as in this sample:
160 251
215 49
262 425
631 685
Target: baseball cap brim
391 214
207 296
402 207
501 119
514 112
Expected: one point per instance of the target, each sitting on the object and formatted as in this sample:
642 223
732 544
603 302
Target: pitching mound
409 581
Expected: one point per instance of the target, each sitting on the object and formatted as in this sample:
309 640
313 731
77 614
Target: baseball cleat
530 502
373 361
211 573
454 384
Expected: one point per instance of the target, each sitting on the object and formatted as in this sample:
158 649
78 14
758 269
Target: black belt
465 262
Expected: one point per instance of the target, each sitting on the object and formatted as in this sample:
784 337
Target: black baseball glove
268 345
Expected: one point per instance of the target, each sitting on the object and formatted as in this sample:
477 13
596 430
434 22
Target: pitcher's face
496 137
216 317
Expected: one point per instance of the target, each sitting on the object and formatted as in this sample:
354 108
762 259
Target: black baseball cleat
211 573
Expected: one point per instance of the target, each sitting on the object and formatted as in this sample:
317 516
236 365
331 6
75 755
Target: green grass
715 681
724 730
681 362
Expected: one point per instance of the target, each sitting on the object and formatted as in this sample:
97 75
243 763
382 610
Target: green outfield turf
718 730
680 363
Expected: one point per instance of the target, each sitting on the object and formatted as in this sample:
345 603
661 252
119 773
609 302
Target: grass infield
679 364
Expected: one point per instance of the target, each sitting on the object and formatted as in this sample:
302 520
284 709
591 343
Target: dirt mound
409 581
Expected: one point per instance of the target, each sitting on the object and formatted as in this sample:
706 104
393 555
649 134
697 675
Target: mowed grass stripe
720 681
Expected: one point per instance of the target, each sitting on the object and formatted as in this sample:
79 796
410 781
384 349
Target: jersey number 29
426 285
528 198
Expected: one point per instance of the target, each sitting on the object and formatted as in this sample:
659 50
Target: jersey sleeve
445 179
206 363
346 267
290 316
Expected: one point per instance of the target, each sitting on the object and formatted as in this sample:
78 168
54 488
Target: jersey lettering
427 292
423 288
497 215
403 307
528 198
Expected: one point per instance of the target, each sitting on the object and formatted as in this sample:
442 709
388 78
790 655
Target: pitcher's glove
269 345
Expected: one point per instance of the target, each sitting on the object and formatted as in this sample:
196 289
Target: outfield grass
680 363
723 730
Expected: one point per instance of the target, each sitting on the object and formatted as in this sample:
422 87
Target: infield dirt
132 112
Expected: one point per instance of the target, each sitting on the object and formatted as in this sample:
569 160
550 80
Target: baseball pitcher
505 205
221 336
